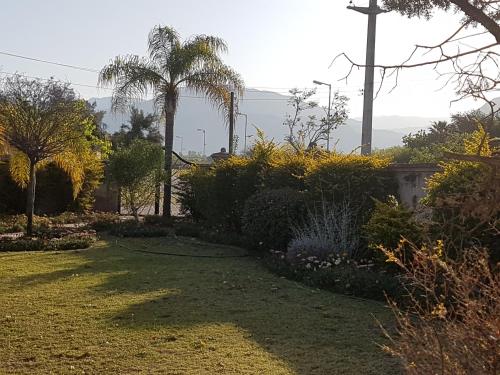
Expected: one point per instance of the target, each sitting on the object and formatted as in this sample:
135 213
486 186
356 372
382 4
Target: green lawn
110 310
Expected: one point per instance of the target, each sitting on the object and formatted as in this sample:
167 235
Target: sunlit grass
112 310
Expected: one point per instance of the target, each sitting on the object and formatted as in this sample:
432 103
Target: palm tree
43 123
194 64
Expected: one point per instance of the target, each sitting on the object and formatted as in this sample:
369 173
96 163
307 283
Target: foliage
17 223
134 229
451 324
217 195
431 145
270 215
72 242
390 222
140 127
102 221
187 229
42 123
137 170
337 274
465 200
350 178
307 133
159 221
195 64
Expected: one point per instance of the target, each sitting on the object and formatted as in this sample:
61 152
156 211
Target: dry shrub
451 324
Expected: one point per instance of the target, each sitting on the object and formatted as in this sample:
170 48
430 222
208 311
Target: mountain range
266 110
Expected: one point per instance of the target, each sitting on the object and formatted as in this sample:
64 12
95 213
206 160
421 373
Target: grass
110 310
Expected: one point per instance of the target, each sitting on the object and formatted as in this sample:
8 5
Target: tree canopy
43 122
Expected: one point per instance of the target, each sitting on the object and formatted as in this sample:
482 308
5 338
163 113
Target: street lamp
246 124
319 83
182 142
204 140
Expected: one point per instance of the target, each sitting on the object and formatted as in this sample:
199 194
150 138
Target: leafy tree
42 123
140 126
136 169
306 133
195 64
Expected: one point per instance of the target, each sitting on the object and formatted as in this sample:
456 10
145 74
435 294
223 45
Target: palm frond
162 40
133 78
215 81
73 164
19 168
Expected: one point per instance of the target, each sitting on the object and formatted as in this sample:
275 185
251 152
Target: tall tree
41 123
171 64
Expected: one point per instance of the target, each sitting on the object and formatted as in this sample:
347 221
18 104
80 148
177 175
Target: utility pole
366 133
231 124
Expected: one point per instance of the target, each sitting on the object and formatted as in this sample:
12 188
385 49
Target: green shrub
187 229
217 196
340 276
465 199
68 243
287 170
132 229
17 223
269 216
389 223
102 221
158 220
351 178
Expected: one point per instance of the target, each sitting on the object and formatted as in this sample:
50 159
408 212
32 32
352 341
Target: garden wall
411 180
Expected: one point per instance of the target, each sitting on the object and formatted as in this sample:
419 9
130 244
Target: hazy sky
275 44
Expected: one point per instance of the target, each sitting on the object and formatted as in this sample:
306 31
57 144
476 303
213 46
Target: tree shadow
312 331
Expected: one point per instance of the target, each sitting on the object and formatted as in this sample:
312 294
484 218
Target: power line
49 62
92 70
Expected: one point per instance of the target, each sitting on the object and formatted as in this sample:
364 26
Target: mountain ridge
266 110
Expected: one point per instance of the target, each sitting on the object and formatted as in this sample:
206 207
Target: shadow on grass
310 330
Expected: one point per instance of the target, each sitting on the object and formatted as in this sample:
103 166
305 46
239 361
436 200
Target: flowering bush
338 274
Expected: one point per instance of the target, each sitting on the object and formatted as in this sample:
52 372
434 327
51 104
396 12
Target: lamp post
204 140
182 142
319 83
246 124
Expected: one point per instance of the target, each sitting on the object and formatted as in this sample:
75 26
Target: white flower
308 266
337 261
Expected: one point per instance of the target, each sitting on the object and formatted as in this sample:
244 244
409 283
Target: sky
274 44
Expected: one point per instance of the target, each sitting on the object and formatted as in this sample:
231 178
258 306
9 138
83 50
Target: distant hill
266 110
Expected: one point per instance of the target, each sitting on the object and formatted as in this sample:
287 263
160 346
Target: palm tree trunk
169 143
30 200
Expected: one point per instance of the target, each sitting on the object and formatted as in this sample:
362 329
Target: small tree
41 123
136 169
305 133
